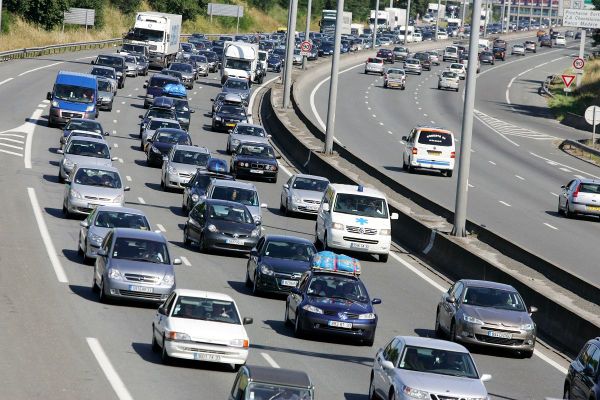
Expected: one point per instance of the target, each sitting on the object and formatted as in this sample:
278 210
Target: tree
46 13
188 9
127 6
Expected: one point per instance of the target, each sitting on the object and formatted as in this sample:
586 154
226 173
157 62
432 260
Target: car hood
99 162
98 231
241 92
252 159
308 194
142 268
249 138
497 316
340 305
185 168
72 106
97 191
105 94
285 265
442 384
163 147
233 227
208 331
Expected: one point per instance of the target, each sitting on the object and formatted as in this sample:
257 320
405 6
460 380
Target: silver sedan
412 65
83 150
245 133
180 165
580 197
303 194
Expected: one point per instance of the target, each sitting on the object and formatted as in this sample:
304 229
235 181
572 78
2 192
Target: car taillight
453 154
576 192
414 150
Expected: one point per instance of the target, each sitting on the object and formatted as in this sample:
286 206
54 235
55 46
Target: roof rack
328 261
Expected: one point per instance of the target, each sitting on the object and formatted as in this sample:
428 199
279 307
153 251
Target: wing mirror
533 309
177 261
165 158
387 364
486 378
162 310
254 252
102 252
286 186
106 133
295 290
140 116
84 223
394 216
126 189
405 138
376 301
326 207
114 158
247 321
145 85
451 299
60 151
49 96
263 205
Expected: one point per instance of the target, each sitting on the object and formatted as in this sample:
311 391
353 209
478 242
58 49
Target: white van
355 218
430 148
450 54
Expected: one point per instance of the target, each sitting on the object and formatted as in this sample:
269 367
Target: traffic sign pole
307 34
581 55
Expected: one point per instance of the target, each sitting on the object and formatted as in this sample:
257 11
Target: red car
387 55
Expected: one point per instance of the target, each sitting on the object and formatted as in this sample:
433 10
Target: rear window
435 138
451 49
375 61
589 188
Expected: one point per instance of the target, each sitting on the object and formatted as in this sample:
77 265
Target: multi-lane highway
60 342
516 168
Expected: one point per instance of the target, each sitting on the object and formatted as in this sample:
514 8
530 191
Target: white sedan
202 326
518 49
459 69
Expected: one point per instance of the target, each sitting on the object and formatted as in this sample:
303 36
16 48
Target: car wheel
164 356
527 354
449 173
86 260
381 73
102 293
383 258
369 341
297 328
202 245
79 251
567 393
155 346
366 73
162 185
392 395
286 317
456 90
274 180
325 246
559 210
95 287
60 178
248 282
255 289
403 87
186 238
184 208
372 395
66 212
110 107
439 332
568 212
439 87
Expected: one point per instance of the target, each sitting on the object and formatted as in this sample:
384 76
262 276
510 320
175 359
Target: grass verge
577 101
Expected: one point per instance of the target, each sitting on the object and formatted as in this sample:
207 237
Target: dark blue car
332 303
583 378
162 142
274 63
195 189
277 263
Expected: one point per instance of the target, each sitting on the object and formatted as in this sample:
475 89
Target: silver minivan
241 192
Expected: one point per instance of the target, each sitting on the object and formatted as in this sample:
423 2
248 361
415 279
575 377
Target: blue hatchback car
335 303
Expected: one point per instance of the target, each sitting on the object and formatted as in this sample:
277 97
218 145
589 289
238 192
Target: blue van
74 95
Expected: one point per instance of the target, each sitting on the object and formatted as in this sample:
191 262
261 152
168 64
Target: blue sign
362 221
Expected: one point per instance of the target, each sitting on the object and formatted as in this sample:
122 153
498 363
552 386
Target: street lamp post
289 53
307 33
333 82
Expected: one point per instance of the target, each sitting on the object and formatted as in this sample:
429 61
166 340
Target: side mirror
394 216
247 321
149 140
102 252
286 186
326 207
451 299
145 85
126 189
177 261
140 116
387 364
486 378
162 310
258 223
114 158
295 290
192 111
533 309
60 151
277 156
269 136
107 133
49 96
376 301
405 138
93 62
212 99
165 158
263 205
84 223
562 186
254 252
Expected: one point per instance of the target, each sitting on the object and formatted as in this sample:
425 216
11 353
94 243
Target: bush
45 13
127 6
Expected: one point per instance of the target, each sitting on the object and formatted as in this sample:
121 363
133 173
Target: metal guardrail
29 52
578 145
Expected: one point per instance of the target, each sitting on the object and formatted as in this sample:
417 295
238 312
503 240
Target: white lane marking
417 103
374 116
116 145
108 369
255 93
46 101
270 360
129 95
121 160
369 108
417 272
557 163
12 135
425 115
285 170
519 177
12 146
11 153
114 121
471 186
114 132
6 80
366 102
433 122
550 361
505 203
390 132
39 217
554 194
381 123
579 176
550 226
128 178
41 105
141 200
185 261
122 102
491 162
565 169
161 228
38 68
136 89
492 128
118 111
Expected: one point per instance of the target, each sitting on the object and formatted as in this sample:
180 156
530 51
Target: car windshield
365 206
88 149
317 185
97 177
89 134
449 74
76 94
186 47
109 61
144 250
150 35
494 298
181 67
104 86
435 138
412 61
256 150
456 66
337 287
154 124
171 137
130 59
119 219
205 309
249 130
436 361
246 197
181 105
161 82
232 110
103 72
289 250
258 390
160 113
79 125
191 157
229 213
235 84
395 72
451 49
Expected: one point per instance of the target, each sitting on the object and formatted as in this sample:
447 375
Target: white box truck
160 32
396 17
240 60
328 18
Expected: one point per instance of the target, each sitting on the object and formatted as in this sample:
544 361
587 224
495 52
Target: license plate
256 171
230 124
286 282
234 241
206 357
593 208
503 335
142 289
92 205
434 153
359 245
339 324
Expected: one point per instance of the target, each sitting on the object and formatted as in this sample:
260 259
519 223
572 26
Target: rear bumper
191 350
585 209
429 163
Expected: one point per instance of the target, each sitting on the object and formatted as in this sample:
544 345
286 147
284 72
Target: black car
499 53
155 112
487 57
115 61
221 224
195 189
161 143
154 87
254 159
387 55
583 378
274 63
183 111
227 116
277 263
326 49
253 382
425 60
545 41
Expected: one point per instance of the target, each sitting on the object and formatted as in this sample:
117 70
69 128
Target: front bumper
86 206
303 207
520 340
177 180
220 241
200 351
121 289
362 329
275 283
372 244
256 172
59 116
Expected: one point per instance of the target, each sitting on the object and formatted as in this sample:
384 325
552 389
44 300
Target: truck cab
74 95
240 60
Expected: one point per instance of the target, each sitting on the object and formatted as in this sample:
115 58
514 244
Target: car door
160 320
586 373
102 261
448 309
295 298
84 228
254 259
381 381
285 191
196 221
410 143
564 194
324 217
165 165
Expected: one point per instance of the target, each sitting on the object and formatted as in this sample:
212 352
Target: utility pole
464 159
437 19
333 82
502 16
485 21
375 23
518 13
307 33
464 13
508 26
289 53
579 75
406 26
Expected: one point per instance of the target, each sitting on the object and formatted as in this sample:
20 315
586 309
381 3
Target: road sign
567 80
578 63
592 115
305 48
581 18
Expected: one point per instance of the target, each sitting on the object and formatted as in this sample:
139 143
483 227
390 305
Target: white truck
388 19
328 19
432 10
240 60
160 33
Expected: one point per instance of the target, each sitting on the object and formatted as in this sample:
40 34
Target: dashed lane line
185 261
270 360
109 371
550 226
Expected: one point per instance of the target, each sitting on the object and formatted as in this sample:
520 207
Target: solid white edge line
29 140
185 261
37 212
417 272
285 170
505 203
551 362
270 360
108 369
38 68
255 93
161 228
6 80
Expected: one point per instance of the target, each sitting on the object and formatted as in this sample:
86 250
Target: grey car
488 314
90 186
412 65
101 220
241 192
134 264
83 150
400 53
202 65
142 64
237 86
153 125
302 194
108 73
580 197
106 94
187 73
180 165
131 65
411 367
244 133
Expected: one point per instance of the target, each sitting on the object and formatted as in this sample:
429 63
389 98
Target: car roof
234 79
173 130
102 67
192 148
203 294
234 184
163 76
287 238
121 209
139 234
250 125
432 343
311 177
91 139
278 376
353 189
487 284
588 180
84 120
432 128
99 167
164 119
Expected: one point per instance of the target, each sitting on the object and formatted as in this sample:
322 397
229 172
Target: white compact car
448 80
560 41
450 54
202 326
374 65
518 49
429 148
459 69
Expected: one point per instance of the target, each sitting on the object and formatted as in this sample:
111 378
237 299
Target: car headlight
75 194
68 163
168 279
337 226
255 232
172 335
119 73
312 309
54 103
296 199
385 232
114 273
239 343
414 393
212 228
171 170
96 239
155 150
271 168
235 142
265 270
257 218
217 118
367 316
195 197
472 320
244 95
526 327
118 199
